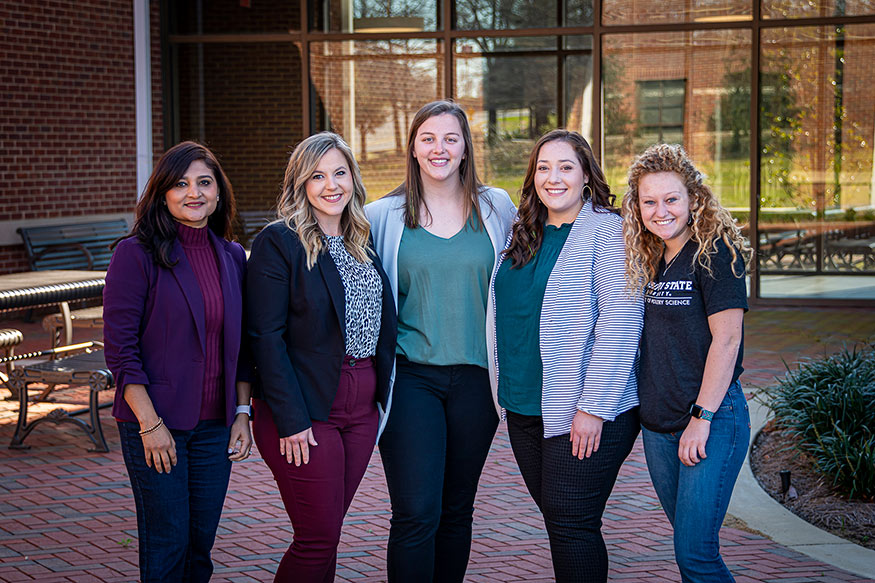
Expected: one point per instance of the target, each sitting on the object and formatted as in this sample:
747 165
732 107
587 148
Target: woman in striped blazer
565 341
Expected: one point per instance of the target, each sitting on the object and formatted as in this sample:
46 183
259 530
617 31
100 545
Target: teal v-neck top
519 295
443 285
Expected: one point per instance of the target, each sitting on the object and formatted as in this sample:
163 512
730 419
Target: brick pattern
68 515
68 111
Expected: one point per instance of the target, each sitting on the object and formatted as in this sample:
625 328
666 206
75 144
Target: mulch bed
817 503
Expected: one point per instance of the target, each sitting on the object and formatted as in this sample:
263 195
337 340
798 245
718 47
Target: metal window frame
447 36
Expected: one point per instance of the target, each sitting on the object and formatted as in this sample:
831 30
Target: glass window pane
817 192
578 94
815 8
373 16
368 92
510 100
619 12
244 102
223 17
516 14
691 88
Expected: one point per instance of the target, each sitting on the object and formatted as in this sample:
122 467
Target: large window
691 88
817 192
783 127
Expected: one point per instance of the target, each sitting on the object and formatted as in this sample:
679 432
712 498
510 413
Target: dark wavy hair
411 188
528 229
154 226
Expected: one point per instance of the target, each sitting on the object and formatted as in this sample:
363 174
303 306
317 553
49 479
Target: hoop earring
583 195
690 220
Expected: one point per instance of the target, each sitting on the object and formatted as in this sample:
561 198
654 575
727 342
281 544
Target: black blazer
296 322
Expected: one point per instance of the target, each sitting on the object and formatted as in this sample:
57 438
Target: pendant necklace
676 255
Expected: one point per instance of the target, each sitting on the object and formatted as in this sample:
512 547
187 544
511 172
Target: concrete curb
761 512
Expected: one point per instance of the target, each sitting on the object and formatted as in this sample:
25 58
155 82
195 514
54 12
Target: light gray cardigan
589 328
387 225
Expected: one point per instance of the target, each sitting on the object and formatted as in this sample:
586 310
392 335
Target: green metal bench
72 246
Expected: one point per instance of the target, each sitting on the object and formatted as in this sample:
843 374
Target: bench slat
61 246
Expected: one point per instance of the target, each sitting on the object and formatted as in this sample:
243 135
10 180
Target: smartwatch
700 413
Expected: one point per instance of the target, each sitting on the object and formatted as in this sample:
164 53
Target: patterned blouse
363 290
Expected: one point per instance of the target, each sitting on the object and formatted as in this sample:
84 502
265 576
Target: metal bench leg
96 383
17 384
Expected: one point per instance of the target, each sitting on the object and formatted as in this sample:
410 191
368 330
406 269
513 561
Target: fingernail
230 450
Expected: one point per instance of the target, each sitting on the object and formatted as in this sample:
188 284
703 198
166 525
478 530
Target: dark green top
519 295
443 285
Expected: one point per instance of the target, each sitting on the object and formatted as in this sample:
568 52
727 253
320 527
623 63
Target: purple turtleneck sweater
203 260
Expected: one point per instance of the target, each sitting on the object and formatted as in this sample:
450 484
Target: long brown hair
710 221
154 226
295 209
528 229
412 190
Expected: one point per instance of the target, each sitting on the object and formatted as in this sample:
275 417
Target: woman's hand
160 450
297 446
586 433
240 444
692 445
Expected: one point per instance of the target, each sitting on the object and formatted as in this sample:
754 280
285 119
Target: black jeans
572 493
440 428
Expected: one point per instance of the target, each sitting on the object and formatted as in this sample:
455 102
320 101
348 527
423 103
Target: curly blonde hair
296 212
710 221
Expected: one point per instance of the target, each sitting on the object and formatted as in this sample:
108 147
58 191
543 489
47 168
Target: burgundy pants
317 495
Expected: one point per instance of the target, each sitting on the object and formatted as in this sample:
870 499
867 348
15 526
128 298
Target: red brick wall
67 111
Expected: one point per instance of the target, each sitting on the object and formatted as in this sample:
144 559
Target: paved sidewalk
67 515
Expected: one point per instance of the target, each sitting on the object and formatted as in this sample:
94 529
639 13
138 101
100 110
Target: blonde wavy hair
710 221
296 212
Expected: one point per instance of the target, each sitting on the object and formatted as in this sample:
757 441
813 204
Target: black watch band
700 413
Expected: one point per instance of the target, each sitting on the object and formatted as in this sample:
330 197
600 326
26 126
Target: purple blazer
154 329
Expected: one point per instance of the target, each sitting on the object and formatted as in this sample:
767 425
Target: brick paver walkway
67 515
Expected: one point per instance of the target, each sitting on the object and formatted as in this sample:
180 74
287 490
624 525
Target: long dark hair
411 189
154 226
528 230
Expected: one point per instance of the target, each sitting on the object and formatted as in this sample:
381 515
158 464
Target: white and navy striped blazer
590 327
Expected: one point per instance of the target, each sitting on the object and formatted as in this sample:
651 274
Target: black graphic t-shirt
676 336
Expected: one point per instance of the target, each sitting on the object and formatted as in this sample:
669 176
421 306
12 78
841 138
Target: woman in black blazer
322 323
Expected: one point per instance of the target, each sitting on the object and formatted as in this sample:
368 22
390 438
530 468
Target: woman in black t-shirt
685 254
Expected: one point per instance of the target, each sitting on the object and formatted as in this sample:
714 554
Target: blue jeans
178 513
433 448
695 498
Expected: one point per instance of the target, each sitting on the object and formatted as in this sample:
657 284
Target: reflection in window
516 14
368 91
691 88
661 111
511 94
510 99
815 8
817 189
375 16
618 12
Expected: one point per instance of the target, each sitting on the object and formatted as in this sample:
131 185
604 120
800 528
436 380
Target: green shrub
829 403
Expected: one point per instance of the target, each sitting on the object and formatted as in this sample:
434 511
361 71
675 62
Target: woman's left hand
692 445
586 433
240 443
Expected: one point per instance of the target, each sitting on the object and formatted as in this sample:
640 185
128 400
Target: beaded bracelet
153 428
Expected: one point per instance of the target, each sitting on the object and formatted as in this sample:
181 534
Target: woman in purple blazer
172 311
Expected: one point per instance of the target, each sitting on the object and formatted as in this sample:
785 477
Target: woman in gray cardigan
438 235
565 342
